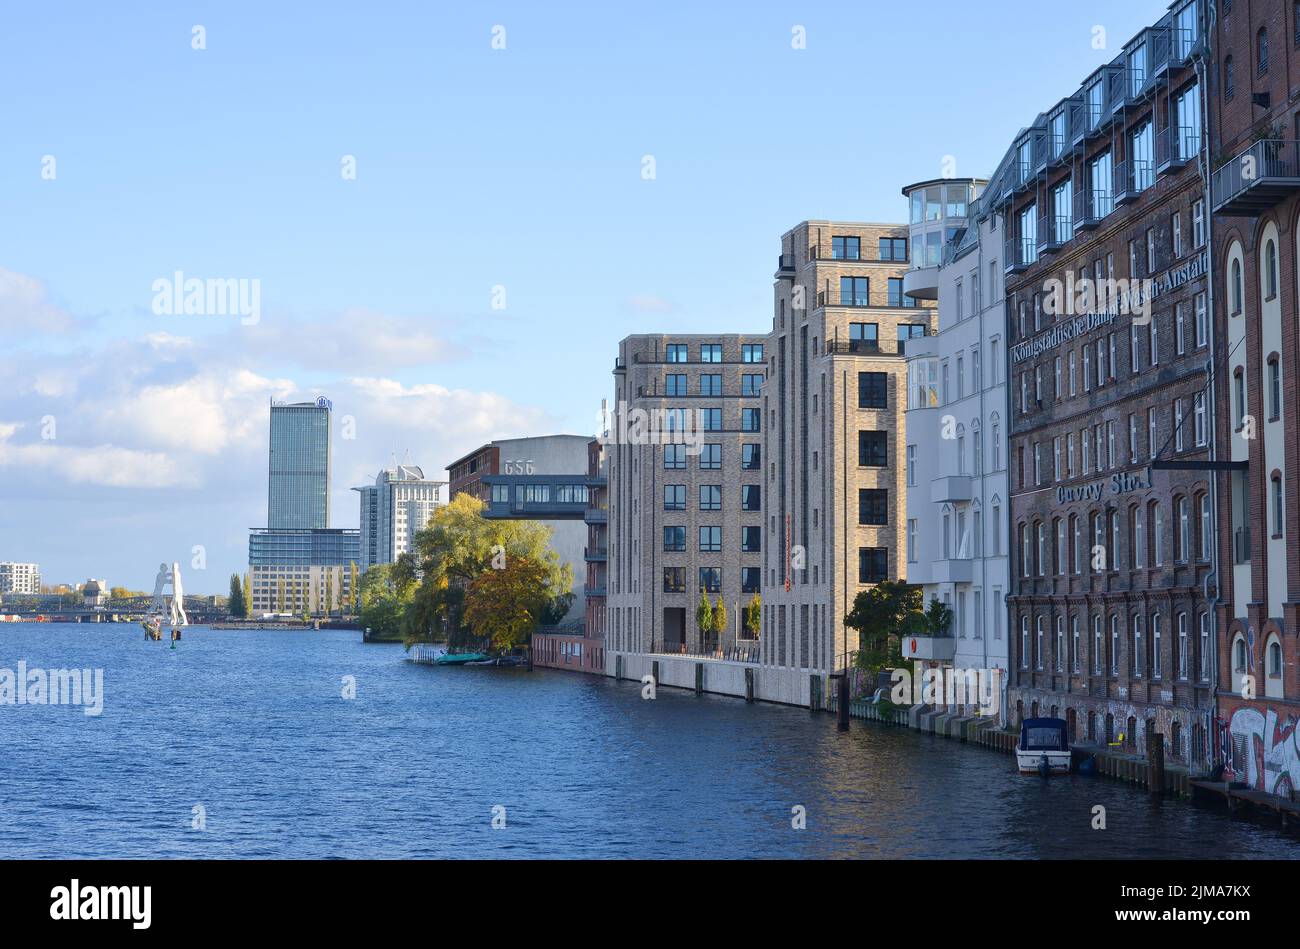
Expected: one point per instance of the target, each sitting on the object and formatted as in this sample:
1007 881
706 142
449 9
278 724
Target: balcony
595 554
1054 231
1132 178
863 347
1258 178
1176 146
933 648
596 515
1020 254
922 283
951 571
785 265
593 590
950 488
1091 206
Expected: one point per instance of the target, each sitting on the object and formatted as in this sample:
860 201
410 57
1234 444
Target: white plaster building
956 533
398 504
20 577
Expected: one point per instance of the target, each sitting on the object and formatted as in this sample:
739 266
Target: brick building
833 444
1255 124
1111 628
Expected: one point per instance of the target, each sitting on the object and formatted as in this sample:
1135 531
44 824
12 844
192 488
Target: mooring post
842 706
1156 763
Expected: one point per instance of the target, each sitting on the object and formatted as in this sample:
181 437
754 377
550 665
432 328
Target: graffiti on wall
1264 750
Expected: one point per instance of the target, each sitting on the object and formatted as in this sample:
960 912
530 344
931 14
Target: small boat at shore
1043 747
463 658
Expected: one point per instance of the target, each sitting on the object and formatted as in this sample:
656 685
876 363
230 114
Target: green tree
882 615
753 616
502 606
937 618
280 589
236 604
720 617
457 547
383 602
704 616
352 587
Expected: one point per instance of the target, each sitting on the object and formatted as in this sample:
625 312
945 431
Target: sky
451 213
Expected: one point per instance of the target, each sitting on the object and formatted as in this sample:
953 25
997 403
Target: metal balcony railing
1176 146
864 347
1132 177
1091 205
1054 230
747 652
1257 178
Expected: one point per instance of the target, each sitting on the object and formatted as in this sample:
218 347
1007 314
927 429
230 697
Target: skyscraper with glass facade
299 471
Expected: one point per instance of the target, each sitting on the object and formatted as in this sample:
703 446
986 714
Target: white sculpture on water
172 607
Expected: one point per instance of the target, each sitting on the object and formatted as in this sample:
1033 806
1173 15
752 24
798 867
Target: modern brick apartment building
683 518
1112 551
833 445
1255 124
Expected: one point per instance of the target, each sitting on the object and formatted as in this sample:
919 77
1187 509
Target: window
1229 79
1201 320
1024 642
911 540
1141 172
710 352
1137 646
1156 666
751 539
674 539
1274 389
750 419
893 248
1236 287
710 497
751 352
675 384
1200 427
1182 646
1277 504
674 579
710 540
911 465
1181 525
1114 645
873 450
1038 643
751 457
675 352
1270 270
710 456
1178 424
845 248
897 297
1198 222
873 388
751 497
674 456
1261 51
711 579
1096 645
750 578
710 384
674 497
1205 645
1151 250
873 506
864 337
855 291
1180 334
873 563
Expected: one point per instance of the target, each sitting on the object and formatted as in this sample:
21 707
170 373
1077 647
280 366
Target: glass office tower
298 490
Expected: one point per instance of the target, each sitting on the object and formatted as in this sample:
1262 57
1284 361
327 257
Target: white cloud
24 307
648 303
97 464
356 339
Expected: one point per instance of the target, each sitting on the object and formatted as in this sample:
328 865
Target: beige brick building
833 448
685 492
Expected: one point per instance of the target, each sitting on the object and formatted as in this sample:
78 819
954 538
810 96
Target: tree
382 602
752 616
280 591
720 617
882 615
352 587
460 545
704 616
237 604
937 618
502 606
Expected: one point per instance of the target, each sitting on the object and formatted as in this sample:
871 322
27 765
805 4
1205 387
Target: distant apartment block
686 501
393 509
833 442
20 577
541 478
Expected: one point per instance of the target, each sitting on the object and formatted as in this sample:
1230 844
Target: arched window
1182 646
1236 287
1182 525
1277 506
1155 646
1261 51
1273 683
1024 642
1114 644
1059 658
1096 645
1137 645
1270 269
1038 643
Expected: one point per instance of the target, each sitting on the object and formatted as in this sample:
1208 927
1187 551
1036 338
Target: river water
242 744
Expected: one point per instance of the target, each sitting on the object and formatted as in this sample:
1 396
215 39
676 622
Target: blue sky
475 168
